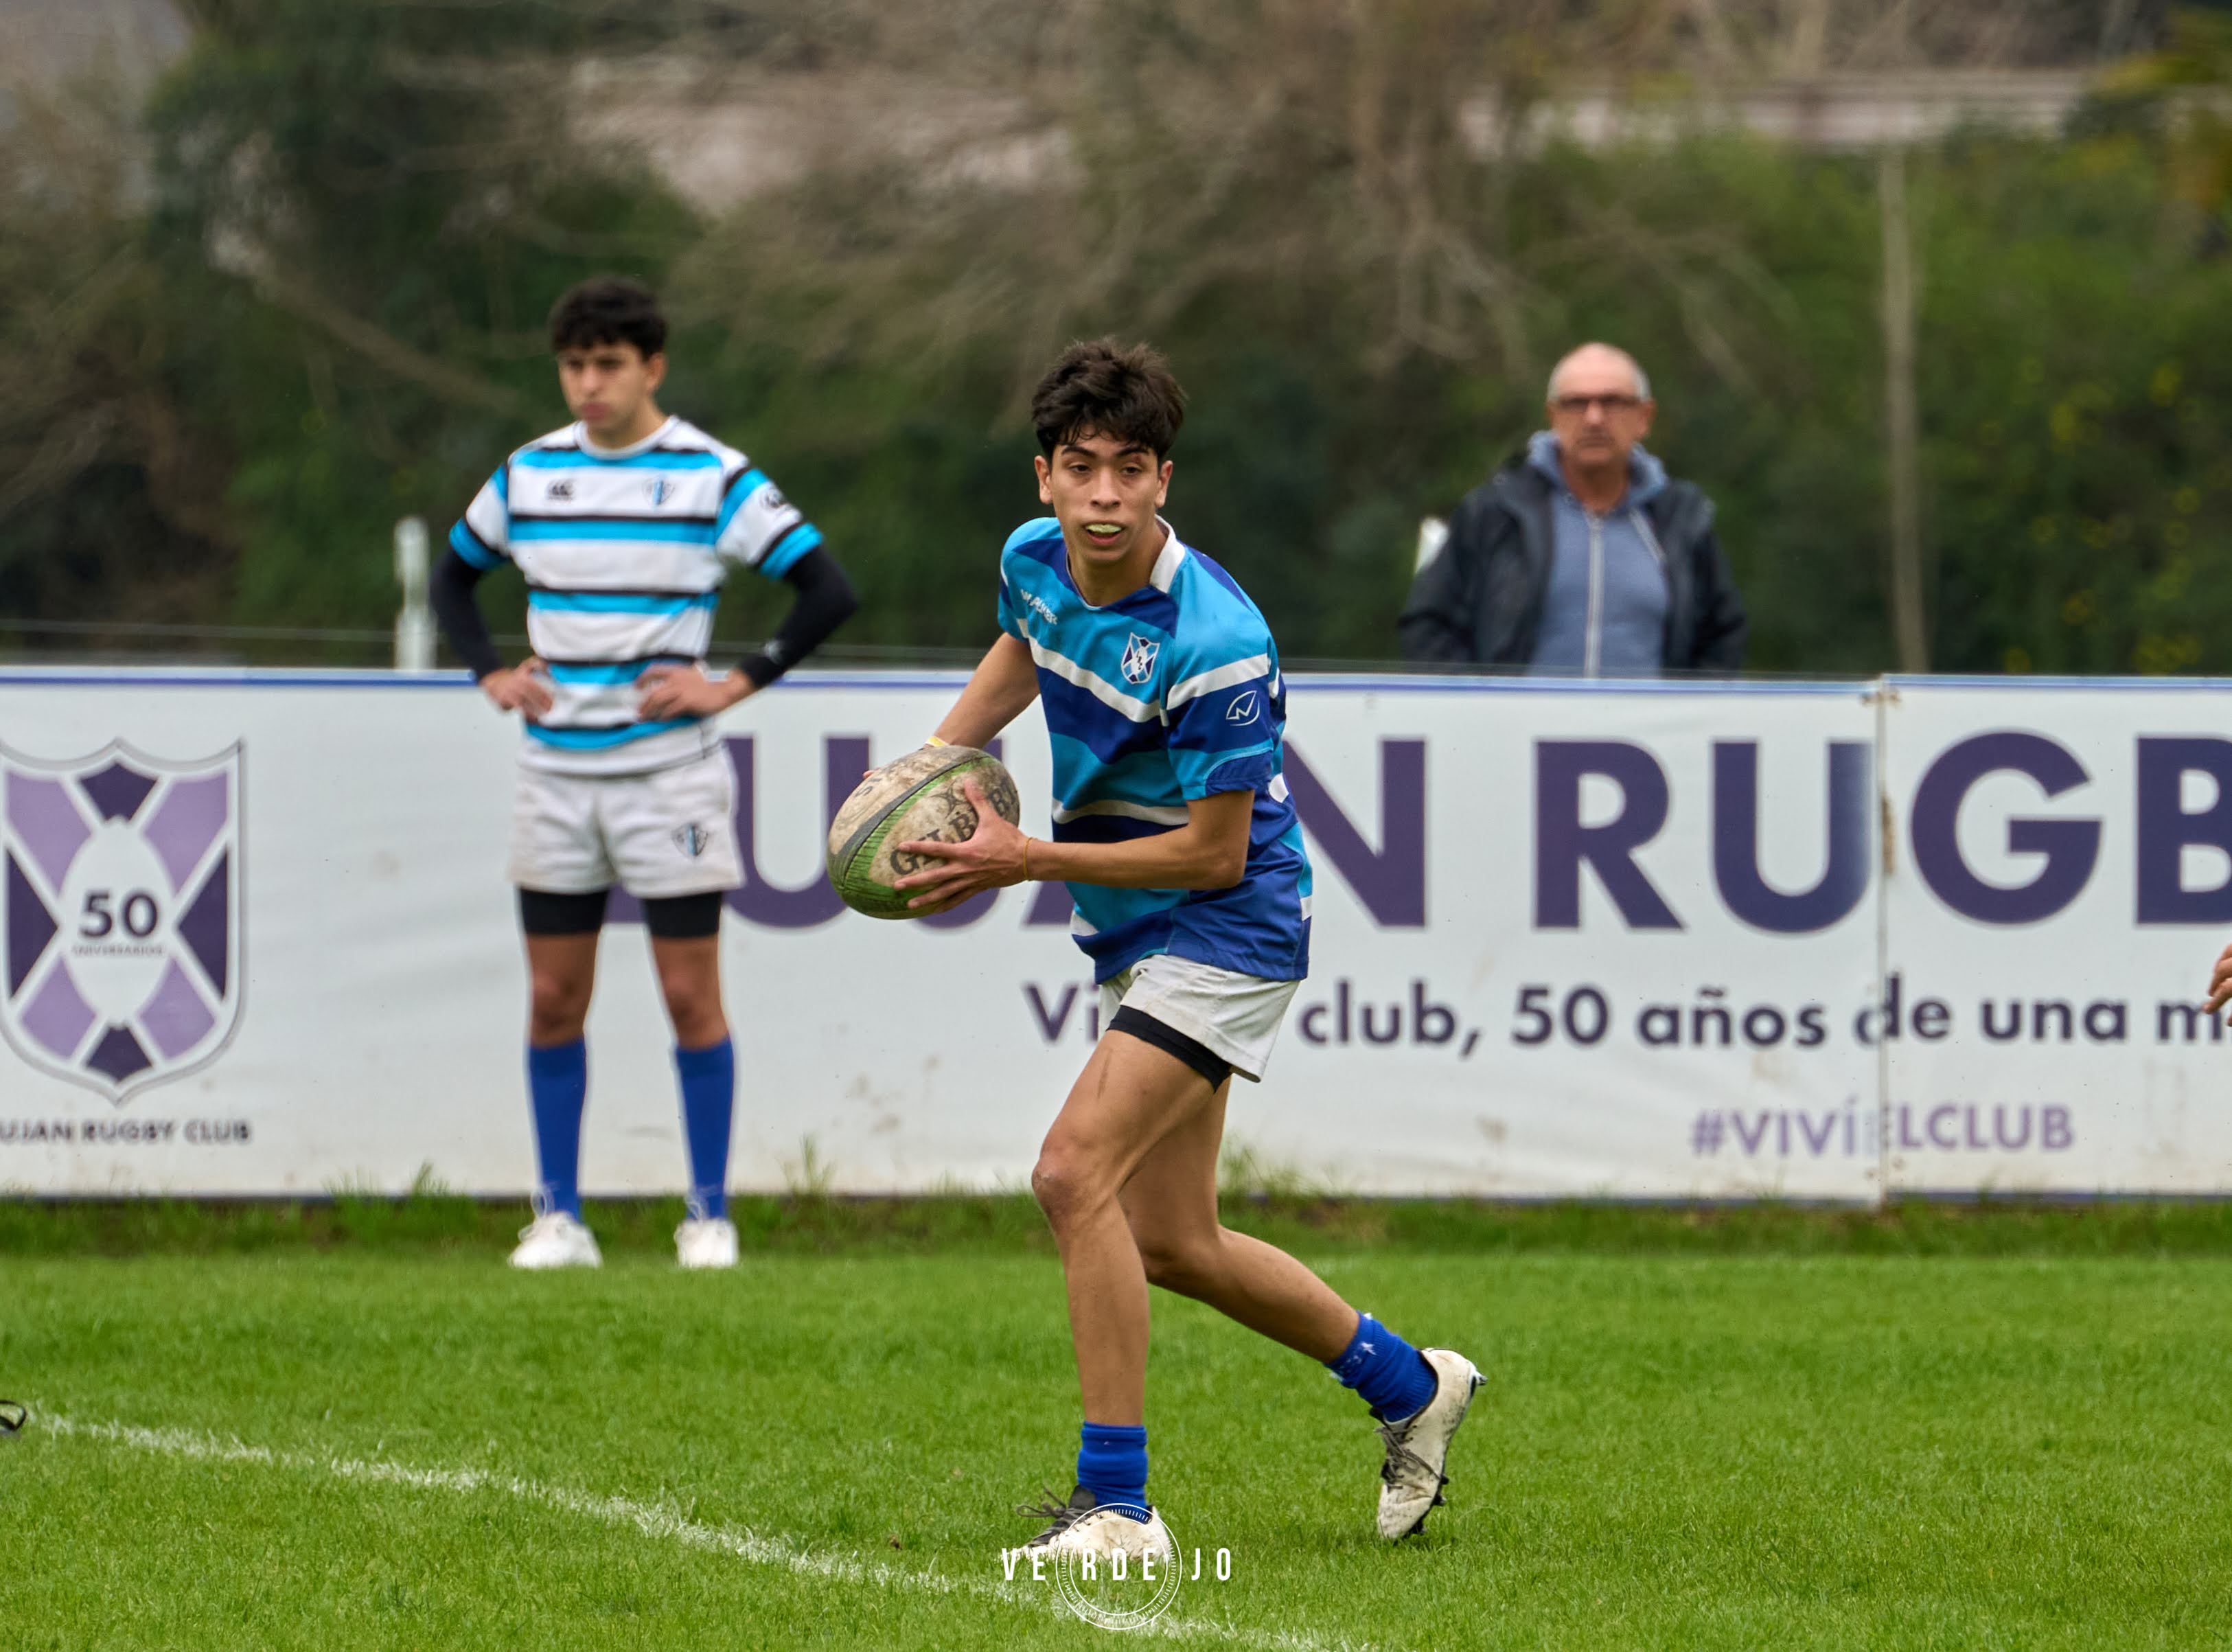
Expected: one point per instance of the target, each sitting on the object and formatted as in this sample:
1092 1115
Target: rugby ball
916 799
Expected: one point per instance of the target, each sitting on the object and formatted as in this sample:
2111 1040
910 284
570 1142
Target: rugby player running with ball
1173 829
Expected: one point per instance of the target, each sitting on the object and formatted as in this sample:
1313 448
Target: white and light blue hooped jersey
1166 696
625 551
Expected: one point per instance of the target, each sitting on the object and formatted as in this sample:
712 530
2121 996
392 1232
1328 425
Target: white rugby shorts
667 832
1237 1017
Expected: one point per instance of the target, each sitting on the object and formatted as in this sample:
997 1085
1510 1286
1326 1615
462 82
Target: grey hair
1642 379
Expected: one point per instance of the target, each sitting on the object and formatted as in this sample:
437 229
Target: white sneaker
709 1242
1082 1526
556 1240
1411 1480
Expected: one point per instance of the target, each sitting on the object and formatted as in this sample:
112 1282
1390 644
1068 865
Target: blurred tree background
295 290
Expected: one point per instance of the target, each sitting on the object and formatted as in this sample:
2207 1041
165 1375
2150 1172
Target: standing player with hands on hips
625 523
1173 829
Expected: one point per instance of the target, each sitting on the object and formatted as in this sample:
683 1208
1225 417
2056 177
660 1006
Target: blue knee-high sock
1392 1377
709 1099
1112 1464
557 1087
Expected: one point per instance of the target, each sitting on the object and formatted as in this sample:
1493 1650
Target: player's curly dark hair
610 310
1101 387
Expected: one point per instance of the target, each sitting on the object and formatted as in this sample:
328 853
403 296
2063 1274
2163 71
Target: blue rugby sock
1392 1377
1112 1464
708 1101
557 1087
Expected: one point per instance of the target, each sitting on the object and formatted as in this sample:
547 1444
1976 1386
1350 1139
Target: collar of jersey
591 450
1160 577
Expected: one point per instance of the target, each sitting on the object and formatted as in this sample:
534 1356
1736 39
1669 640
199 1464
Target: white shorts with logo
1237 1017
669 831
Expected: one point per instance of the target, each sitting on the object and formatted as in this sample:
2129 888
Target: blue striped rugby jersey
1170 694
625 551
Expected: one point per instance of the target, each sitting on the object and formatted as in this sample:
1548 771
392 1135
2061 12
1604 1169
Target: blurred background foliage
296 291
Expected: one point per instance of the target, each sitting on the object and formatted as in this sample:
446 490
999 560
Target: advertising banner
1625 941
2061 882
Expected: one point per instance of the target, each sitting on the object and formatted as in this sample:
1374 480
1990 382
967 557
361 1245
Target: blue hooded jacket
1605 609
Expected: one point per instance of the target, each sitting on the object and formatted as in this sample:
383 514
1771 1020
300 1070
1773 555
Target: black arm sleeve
450 592
825 601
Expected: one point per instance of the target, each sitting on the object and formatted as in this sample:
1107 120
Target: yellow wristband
934 740
1026 860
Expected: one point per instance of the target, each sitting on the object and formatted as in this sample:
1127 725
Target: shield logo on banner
120 915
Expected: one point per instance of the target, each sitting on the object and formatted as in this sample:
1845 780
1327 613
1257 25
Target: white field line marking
663 1524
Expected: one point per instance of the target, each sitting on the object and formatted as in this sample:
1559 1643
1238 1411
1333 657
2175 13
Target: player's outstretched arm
1000 689
1209 852
2219 982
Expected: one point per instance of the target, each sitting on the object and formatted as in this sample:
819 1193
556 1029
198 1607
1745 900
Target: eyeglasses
1582 404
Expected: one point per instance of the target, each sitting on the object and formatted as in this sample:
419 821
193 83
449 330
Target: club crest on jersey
1243 709
693 841
661 490
120 907
1139 662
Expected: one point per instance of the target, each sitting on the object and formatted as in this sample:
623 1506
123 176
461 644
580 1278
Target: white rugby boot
1411 1480
1083 1526
556 1240
706 1242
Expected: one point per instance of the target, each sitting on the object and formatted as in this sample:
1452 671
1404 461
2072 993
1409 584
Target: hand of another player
2219 982
524 688
686 691
992 858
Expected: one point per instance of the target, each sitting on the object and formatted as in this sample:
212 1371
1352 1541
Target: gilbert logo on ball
119 904
916 799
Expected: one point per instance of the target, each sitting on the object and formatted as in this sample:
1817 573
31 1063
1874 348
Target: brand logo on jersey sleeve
1244 708
120 903
1139 662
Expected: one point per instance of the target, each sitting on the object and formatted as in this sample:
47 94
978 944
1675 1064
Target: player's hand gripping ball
916 799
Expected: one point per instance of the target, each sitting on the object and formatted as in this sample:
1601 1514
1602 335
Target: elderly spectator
1580 558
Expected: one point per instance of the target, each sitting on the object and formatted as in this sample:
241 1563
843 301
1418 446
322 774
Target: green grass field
340 1427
